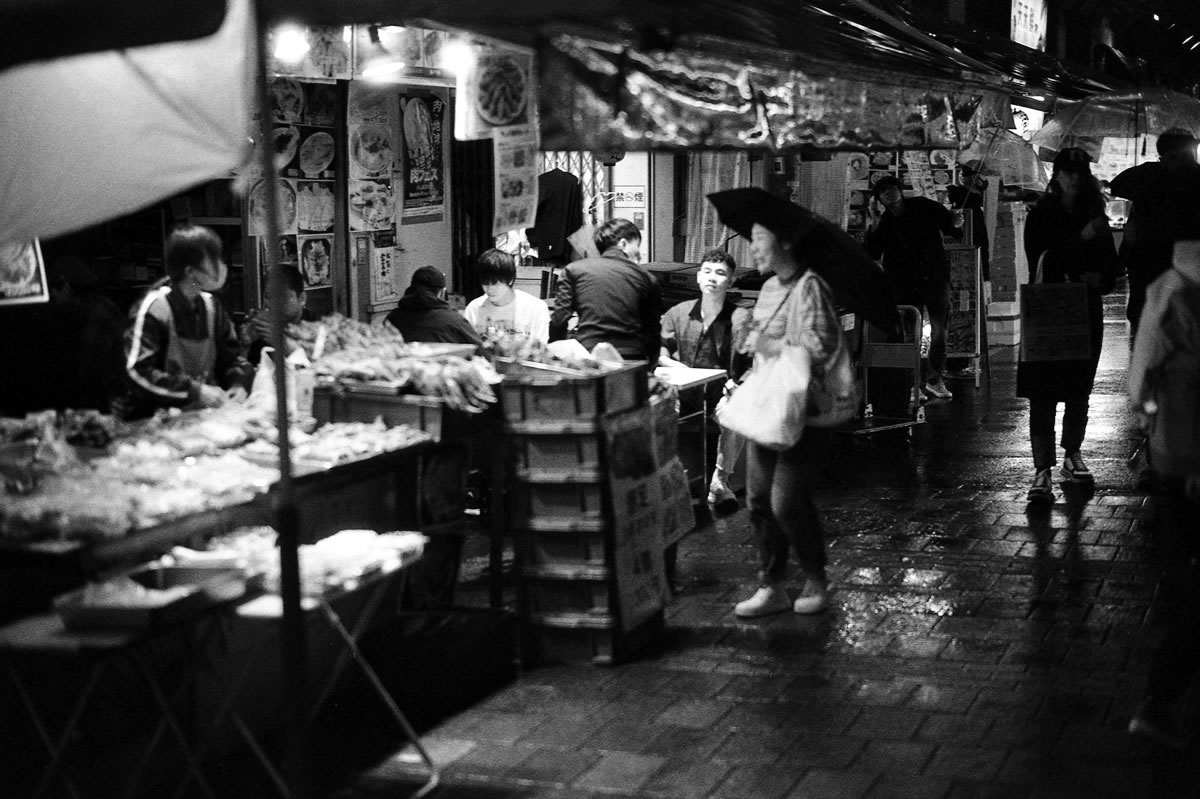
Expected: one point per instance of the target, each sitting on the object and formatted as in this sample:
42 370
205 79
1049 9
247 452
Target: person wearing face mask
709 333
1067 231
503 308
181 347
617 299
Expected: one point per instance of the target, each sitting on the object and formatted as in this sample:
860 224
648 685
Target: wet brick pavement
974 649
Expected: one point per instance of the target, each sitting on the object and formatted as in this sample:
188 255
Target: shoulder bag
834 392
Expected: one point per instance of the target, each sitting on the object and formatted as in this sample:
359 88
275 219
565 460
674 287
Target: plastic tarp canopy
95 136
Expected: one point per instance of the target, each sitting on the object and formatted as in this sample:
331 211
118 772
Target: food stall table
38 641
692 383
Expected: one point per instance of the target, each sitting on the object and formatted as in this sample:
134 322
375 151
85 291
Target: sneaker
1075 470
719 494
938 390
1153 720
814 597
1042 489
767 599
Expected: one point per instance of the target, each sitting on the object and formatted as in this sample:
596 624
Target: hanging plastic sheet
597 94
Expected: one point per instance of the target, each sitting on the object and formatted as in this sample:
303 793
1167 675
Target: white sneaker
938 390
718 492
814 597
767 599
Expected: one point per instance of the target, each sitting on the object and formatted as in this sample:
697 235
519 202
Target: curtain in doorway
708 172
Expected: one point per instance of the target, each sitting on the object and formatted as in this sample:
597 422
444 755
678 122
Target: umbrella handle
986 154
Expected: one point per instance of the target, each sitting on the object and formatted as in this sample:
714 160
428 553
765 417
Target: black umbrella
858 283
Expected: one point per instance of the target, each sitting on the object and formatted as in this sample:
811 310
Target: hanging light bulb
457 57
380 62
291 43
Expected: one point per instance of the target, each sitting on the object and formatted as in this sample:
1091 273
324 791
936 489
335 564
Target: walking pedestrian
792 309
1164 387
1067 233
1163 194
908 237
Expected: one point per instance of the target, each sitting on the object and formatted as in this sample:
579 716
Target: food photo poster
22 274
500 90
422 125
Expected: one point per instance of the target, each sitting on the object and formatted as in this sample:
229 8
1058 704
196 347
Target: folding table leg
173 724
393 708
57 749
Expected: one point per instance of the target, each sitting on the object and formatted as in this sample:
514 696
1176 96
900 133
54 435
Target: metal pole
294 666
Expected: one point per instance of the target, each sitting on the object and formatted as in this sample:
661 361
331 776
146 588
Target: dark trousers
779 492
1177 658
1041 427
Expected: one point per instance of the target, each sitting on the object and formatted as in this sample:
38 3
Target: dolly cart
879 354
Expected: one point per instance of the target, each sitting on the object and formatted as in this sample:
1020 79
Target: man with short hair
424 315
502 308
617 299
1164 194
908 237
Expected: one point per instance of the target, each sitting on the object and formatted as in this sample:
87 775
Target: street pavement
974 648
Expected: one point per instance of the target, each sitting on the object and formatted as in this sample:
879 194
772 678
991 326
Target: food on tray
371 148
128 593
287 141
258 207
316 154
371 204
502 91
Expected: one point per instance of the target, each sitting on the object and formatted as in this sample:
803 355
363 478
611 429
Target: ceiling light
457 57
291 43
379 62
1156 19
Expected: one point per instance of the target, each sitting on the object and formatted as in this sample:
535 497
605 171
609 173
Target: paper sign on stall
516 178
638 517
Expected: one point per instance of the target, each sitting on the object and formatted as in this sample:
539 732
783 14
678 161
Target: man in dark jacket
908 237
617 299
424 315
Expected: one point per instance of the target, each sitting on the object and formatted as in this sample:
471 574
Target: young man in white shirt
503 308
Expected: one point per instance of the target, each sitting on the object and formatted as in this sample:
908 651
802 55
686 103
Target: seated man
256 331
707 333
424 315
503 308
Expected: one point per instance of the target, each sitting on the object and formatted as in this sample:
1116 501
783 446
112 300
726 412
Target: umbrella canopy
1006 155
1130 115
858 283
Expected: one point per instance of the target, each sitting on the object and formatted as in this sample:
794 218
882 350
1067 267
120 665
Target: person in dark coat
424 315
1164 194
908 239
617 299
1067 231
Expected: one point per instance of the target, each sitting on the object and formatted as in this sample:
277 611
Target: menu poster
920 173
314 205
638 517
320 104
286 198
500 90
516 184
423 125
22 274
384 266
315 255
327 58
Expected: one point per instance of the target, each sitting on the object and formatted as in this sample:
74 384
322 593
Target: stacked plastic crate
560 510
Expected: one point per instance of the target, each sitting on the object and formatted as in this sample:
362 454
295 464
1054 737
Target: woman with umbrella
792 312
1067 235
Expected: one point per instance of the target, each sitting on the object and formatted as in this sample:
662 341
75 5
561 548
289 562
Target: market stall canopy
35 30
91 137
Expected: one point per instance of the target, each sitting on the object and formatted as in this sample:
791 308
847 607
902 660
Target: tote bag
1054 321
771 404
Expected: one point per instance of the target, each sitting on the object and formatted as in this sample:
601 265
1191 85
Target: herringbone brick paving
973 649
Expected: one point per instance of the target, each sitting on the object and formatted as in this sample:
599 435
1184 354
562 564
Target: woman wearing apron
181 347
